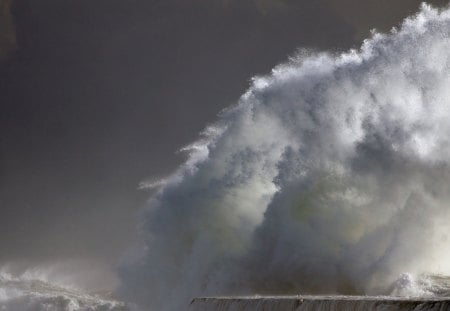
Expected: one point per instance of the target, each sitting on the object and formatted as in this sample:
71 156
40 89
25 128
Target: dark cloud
101 94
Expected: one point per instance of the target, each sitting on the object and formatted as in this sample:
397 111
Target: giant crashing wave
330 176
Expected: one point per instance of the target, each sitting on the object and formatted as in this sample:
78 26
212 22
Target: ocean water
32 294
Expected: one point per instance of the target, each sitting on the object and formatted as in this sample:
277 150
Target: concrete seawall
318 303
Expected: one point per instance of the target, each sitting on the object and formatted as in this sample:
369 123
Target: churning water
28 293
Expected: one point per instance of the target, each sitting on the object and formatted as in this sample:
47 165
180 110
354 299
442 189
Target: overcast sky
98 95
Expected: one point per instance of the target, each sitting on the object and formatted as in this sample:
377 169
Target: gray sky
98 95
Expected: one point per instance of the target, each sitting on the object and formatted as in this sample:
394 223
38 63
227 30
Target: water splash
331 175
23 293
